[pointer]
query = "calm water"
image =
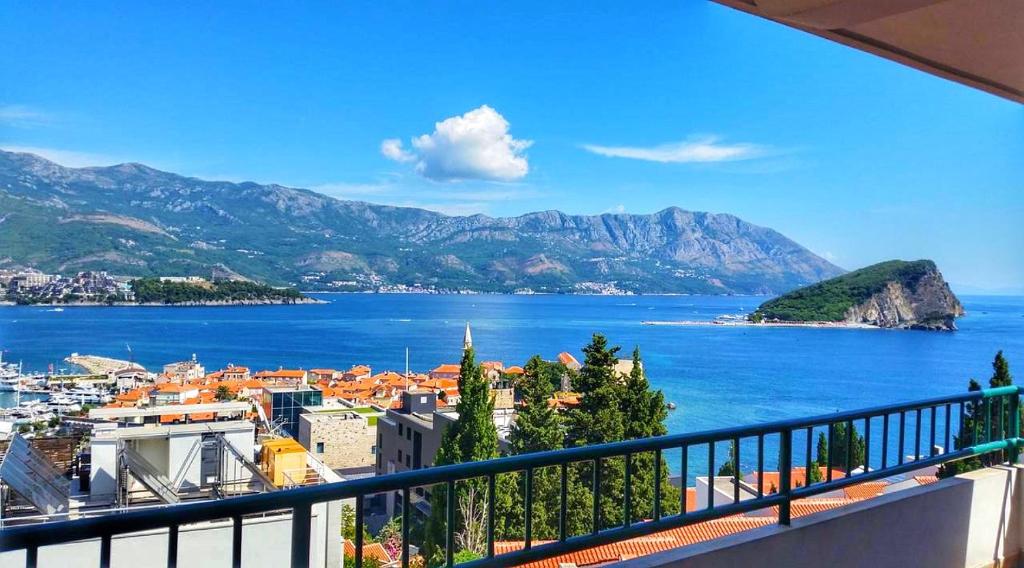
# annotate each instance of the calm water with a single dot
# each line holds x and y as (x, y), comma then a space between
(717, 376)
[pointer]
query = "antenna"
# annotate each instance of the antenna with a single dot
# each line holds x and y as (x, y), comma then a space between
(407, 369)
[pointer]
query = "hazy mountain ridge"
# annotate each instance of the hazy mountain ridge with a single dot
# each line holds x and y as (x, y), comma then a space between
(133, 219)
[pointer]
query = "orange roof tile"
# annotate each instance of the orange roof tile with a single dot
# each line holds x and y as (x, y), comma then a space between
(172, 387)
(515, 370)
(447, 368)
(566, 358)
(865, 490)
(798, 475)
(374, 550)
(925, 479)
(802, 507)
(645, 545)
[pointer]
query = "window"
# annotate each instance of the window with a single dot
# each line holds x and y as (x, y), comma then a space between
(408, 434)
(399, 428)
(319, 447)
(408, 460)
(373, 450)
(399, 456)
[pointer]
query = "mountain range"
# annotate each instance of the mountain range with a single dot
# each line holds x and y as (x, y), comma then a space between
(131, 219)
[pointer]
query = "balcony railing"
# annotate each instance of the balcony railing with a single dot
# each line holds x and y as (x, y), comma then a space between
(996, 428)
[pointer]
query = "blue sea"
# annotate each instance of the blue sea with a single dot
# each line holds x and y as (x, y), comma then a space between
(717, 376)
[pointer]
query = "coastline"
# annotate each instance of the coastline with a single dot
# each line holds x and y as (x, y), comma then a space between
(96, 364)
(810, 324)
(214, 304)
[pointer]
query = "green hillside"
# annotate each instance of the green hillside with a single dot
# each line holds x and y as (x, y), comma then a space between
(829, 300)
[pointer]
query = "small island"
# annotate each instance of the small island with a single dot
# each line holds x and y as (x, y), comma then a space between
(156, 291)
(893, 294)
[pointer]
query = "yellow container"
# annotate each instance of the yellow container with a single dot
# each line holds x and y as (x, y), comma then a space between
(284, 461)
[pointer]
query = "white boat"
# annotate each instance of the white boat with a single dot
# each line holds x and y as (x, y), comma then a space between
(63, 405)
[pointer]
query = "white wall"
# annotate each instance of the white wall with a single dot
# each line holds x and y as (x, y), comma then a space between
(266, 543)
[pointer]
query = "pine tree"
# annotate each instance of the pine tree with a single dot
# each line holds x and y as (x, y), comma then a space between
(473, 437)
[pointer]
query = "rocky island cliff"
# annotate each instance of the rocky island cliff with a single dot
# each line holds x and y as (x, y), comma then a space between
(892, 294)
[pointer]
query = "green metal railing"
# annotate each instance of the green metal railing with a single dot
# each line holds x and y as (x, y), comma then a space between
(995, 428)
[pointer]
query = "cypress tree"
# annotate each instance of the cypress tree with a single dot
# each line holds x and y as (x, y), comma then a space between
(644, 413)
(473, 437)
(839, 444)
(1001, 376)
(974, 419)
(599, 419)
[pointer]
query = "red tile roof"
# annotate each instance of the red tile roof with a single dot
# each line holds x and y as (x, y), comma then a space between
(925, 479)
(447, 368)
(373, 550)
(567, 359)
(642, 546)
(865, 490)
(802, 507)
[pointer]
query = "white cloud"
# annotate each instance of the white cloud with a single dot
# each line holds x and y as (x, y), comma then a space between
(618, 209)
(707, 149)
(476, 145)
(68, 158)
(23, 116)
(392, 150)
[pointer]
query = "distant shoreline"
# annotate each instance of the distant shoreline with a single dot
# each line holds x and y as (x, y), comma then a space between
(810, 324)
(209, 304)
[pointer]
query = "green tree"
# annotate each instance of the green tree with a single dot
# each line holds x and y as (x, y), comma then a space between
(644, 413)
(727, 469)
(819, 462)
(974, 420)
(223, 393)
(538, 427)
(822, 460)
(599, 419)
(839, 443)
(473, 437)
(348, 525)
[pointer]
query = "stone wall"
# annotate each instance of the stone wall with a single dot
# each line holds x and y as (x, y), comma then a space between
(347, 437)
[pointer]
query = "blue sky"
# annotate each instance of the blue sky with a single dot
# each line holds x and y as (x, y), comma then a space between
(585, 107)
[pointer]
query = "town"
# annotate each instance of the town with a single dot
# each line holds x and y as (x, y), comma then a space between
(123, 437)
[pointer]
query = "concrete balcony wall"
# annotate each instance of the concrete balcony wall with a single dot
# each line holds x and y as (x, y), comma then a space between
(974, 520)
(266, 543)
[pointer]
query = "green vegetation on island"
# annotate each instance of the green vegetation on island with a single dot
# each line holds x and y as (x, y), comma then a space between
(830, 300)
(156, 291)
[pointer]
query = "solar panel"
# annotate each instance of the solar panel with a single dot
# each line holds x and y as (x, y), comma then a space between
(31, 475)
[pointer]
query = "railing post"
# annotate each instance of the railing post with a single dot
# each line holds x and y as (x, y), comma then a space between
(785, 472)
(360, 513)
(301, 518)
(1014, 426)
